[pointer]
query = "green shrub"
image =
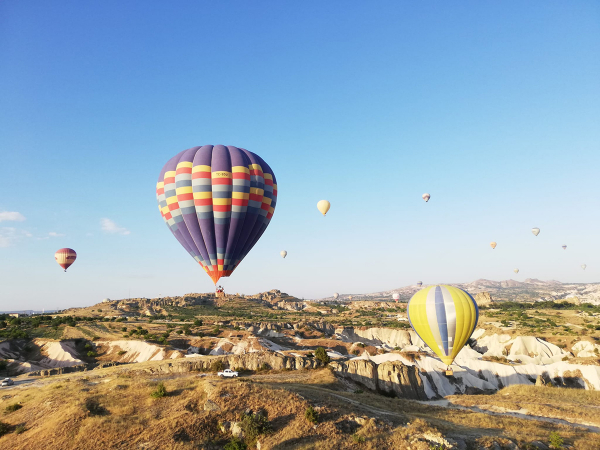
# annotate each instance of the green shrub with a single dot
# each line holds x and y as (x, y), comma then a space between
(121, 353)
(235, 444)
(197, 323)
(217, 366)
(92, 354)
(321, 355)
(311, 415)
(555, 440)
(160, 391)
(4, 428)
(254, 425)
(88, 346)
(12, 408)
(358, 438)
(20, 429)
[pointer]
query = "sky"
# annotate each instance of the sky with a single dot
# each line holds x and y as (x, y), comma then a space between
(491, 107)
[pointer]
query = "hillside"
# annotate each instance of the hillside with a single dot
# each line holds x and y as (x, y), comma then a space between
(529, 290)
(115, 408)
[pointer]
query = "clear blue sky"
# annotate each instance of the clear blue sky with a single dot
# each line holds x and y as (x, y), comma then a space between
(491, 107)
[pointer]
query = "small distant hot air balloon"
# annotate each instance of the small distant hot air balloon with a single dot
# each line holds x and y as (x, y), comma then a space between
(535, 231)
(419, 283)
(516, 271)
(564, 247)
(283, 253)
(65, 257)
(493, 245)
(396, 297)
(323, 206)
(444, 317)
(350, 298)
(336, 295)
(583, 266)
(426, 197)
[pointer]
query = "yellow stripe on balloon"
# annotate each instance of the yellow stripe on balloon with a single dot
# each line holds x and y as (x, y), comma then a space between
(418, 317)
(184, 190)
(201, 168)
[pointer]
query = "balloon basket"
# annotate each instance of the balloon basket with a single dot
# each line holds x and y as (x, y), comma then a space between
(449, 372)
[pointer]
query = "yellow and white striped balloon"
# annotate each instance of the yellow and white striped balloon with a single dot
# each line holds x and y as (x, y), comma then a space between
(444, 317)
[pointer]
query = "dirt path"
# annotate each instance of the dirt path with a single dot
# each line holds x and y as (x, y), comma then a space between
(309, 390)
(513, 413)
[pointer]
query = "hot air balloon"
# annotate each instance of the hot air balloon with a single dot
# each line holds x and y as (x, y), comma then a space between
(426, 197)
(535, 231)
(396, 297)
(419, 283)
(283, 253)
(350, 298)
(583, 266)
(336, 295)
(493, 245)
(323, 206)
(564, 247)
(444, 317)
(516, 271)
(217, 201)
(65, 257)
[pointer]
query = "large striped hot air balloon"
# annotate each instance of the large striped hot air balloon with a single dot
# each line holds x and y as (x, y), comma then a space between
(65, 257)
(217, 201)
(444, 317)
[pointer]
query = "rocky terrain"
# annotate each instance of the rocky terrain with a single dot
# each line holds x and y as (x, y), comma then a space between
(529, 290)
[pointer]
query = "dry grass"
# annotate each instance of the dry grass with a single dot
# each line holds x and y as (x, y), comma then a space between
(575, 405)
(56, 415)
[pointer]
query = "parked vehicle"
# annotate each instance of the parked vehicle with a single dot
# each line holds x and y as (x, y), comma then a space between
(228, 373)
(9, 382)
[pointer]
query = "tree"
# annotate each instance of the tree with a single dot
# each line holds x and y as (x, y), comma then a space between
(321, 355)
(197, 323)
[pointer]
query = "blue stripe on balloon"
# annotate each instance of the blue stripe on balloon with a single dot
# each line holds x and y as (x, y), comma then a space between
(440, 311)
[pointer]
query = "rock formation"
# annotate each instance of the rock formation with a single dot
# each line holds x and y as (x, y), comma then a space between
(483, 299)
(390, 377)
